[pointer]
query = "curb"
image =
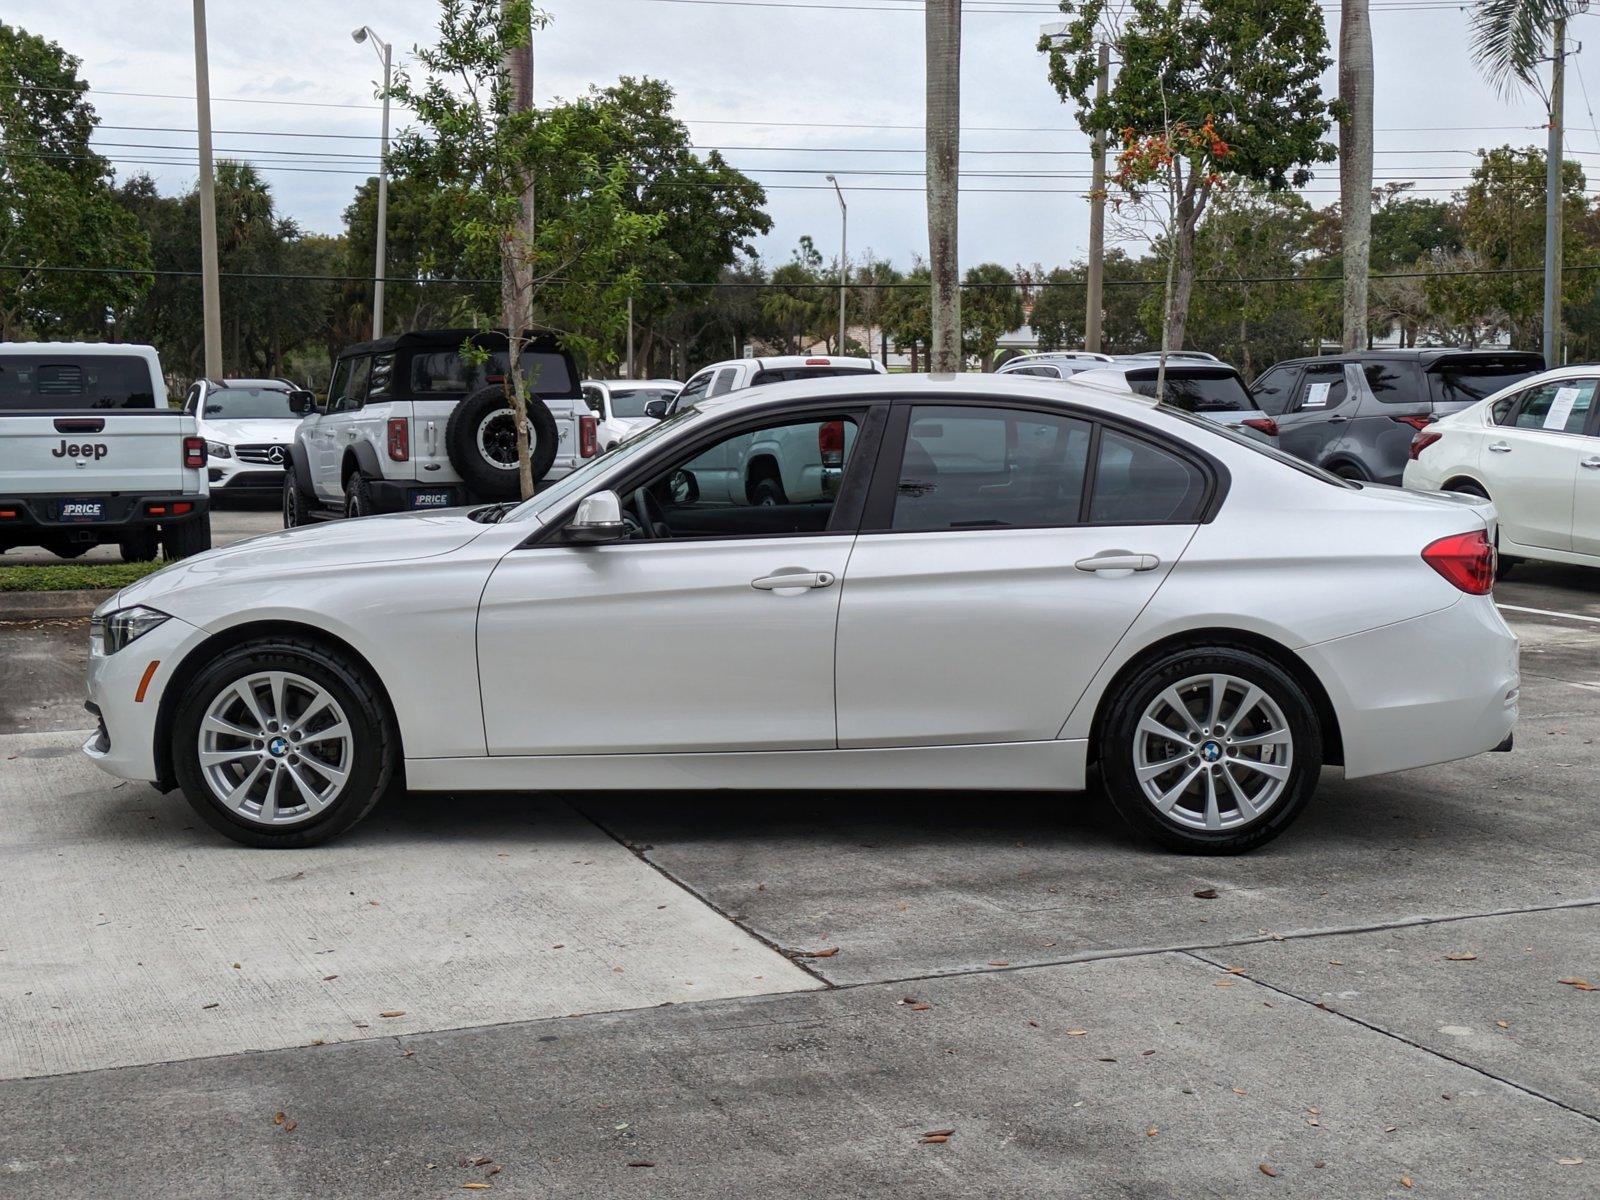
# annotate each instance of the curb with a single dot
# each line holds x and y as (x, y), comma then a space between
(48, 606)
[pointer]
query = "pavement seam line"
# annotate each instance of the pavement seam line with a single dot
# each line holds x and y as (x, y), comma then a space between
(703, 899)
(1525, 1089)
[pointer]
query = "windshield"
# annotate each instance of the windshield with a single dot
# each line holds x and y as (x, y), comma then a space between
(631, 402)
(61, 381)
(1196, 393)
(249, 404)
(583, 478)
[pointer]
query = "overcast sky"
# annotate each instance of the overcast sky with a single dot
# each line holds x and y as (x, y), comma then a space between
(850, 80)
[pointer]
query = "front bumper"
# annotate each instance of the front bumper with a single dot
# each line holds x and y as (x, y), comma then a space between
(232, 475)
(1429, 690)
(35, 520)
(124, 744)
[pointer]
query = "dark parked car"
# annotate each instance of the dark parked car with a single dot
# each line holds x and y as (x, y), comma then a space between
(1355, 414)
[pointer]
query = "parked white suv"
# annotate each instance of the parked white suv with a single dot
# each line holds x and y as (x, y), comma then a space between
(91, 454)
(248, 425)
(410, 423)
(619, 405)
(720, 378)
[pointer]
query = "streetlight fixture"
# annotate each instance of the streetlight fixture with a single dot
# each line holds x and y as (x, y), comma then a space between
(844, 262)
(384, 51)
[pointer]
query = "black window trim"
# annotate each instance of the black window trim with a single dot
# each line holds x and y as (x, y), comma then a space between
(844, 520)
(1591, 424)
(879, 513)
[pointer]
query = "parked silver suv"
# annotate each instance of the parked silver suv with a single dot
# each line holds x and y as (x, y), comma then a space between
(1355, 414)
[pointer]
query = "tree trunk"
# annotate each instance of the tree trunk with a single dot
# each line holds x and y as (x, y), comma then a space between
(1182, 282)
(1355, 165)
(516, 269)
(943, 125)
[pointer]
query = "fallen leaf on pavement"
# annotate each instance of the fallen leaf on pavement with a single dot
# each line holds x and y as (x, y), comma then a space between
(828, 953)
(393, 1012)
(1076, 1032)
(329, 978)
(1235, 970)
(482, 1160)
(1334, 962)
(1152, 1131)
(290, 1125)
(1503, 1024)
(641, 1164)
(1463, 956)
(939, 1133)
(1224, 982)
(494, 1170)
(476, 1187)
(277, 1118)
(1405, 1181)
(1583, 985)
(1240, 1092)
(919, 1007)
(1206, 894)
(1266, 1170)
(1390, 1128)
(1569, 1162)
(999, 962)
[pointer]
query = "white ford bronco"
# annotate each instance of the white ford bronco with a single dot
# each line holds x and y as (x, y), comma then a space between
(91, 455)
(410, 423)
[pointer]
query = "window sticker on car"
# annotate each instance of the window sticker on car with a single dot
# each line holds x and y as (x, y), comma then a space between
(1561, 408)
(1317, 395)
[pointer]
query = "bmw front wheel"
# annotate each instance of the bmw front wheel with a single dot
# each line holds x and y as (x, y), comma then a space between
(1211, 750)
(283, 743)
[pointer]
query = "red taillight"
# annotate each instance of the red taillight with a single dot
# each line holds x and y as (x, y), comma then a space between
(8, 514)
(1265, 424)
(830, 443)
(194, 452)
(182, 508)
(1421, 441)
(399, 439)
(818, 362)
(1467, 560)
(156, 510)
(588, 437)
(1421, 421)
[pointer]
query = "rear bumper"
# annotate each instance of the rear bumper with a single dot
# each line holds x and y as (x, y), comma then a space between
(391, 495)
(1428, 690)
(39, 520)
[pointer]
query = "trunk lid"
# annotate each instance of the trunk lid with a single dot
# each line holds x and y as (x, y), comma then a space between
(92, 454)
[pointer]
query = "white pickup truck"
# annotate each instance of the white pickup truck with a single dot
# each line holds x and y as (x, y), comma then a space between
(410, 423)
(90, 454)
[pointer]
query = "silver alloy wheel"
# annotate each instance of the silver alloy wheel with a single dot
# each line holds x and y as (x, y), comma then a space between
(1213, 752)
(275, 748)
(497, 439)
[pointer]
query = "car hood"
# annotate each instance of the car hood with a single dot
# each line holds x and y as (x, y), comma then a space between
(264, 430)
(311, 549)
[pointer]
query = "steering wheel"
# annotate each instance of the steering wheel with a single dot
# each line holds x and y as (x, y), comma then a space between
(647, 519)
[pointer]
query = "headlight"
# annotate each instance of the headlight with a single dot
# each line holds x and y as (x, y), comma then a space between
(112, 632)
(219, 450)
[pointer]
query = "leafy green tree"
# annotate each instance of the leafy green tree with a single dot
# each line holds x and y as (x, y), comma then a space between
(1057, 315)
(1205, 90)
(57, 203)
(799, 305)
(991, 307)
(908, 314)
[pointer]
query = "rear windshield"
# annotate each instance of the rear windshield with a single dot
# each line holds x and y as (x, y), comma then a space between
(53, 383)
(1196, 393)
(445, 372)
(785, 374)
(1475, 379)
(249, 404)
(631, 402)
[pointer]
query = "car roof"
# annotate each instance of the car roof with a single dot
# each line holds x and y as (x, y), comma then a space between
(1424, 356)
(1054, 355)
(624, 384)
(936, 388)
(276, 385)
(778, 362)
(85, 348)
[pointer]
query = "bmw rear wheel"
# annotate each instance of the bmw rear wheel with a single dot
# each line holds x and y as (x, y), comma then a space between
(1211, 750)
(283, 743)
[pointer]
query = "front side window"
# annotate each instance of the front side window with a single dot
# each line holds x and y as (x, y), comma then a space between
(1561, 407)
(339, 384)
(1137, 483)
(352, 385)
(693, 391)
(990, 468)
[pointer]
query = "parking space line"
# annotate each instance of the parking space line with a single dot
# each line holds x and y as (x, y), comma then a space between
(1548, 612)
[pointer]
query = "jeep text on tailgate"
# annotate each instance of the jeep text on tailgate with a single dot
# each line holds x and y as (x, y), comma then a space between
(90, 454)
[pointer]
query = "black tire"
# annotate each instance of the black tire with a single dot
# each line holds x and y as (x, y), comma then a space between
(357, 496)
(140, 546)
(765, 492)
(375, 758)
(71, 549)
(187, 538)
(1348, 470)
(1119, 730)
(294, 503)
(495, 478)
(1503, 562)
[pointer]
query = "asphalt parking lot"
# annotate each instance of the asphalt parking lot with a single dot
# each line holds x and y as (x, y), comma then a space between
(669, 995)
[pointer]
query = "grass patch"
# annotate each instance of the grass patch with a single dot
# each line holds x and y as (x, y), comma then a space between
(73, 577)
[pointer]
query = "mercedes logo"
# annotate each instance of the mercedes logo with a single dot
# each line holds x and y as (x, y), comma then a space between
(275, 455)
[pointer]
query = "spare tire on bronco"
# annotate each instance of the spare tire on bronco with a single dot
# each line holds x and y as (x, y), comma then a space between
(481, 440)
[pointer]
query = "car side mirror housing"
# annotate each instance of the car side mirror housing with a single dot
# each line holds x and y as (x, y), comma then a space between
(598, 519)
(657, 409)
(302, 402)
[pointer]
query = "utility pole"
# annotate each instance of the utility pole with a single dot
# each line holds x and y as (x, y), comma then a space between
(844, 259)
(630, 338)
(211, 301)
(1355, 166)
(1094, 307)
(942, 122)
(1552, 200)
(385, 52)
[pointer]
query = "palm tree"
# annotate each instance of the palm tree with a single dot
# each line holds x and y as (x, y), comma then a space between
(1513, 38)
(1355, 165)
(943, 129)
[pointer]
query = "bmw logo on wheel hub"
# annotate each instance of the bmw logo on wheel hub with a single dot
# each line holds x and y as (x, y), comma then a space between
(278, 747)
(1209, 751)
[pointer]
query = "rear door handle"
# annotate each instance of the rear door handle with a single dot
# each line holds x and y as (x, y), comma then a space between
(1337, 420)
(1118, 560)
(1592, 463)
(792, 577)
(1500, 447)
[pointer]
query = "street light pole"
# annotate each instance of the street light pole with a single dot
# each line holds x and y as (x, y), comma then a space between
(844, 261)
(211, 302)
(385, 51)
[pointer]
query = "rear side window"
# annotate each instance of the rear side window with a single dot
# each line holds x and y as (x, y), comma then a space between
(724, 383)
(1193, 392)
(382, 373)
(1556, 407)
(1396, 382)
(990, 468)
(1321, 387)
(1477, 378)
(785, 374)
(1136, 483)
(51, 382)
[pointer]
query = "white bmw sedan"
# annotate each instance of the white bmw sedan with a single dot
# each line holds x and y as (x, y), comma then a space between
(1006, 583)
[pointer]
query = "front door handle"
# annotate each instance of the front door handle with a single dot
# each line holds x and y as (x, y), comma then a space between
(1592, 463)
(1500, 447)
(1119, 560)
(792, 577)
(1337, 419)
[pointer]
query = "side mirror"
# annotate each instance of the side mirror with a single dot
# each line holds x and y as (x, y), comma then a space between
(683, 487)
(598, 519)
(657, 409)
(302, 402)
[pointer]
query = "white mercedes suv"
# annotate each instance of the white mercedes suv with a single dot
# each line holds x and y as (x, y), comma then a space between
(1013, 581)
(248, 425)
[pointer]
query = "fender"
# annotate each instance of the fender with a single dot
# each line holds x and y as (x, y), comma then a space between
(301, 469)
(366, 461)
